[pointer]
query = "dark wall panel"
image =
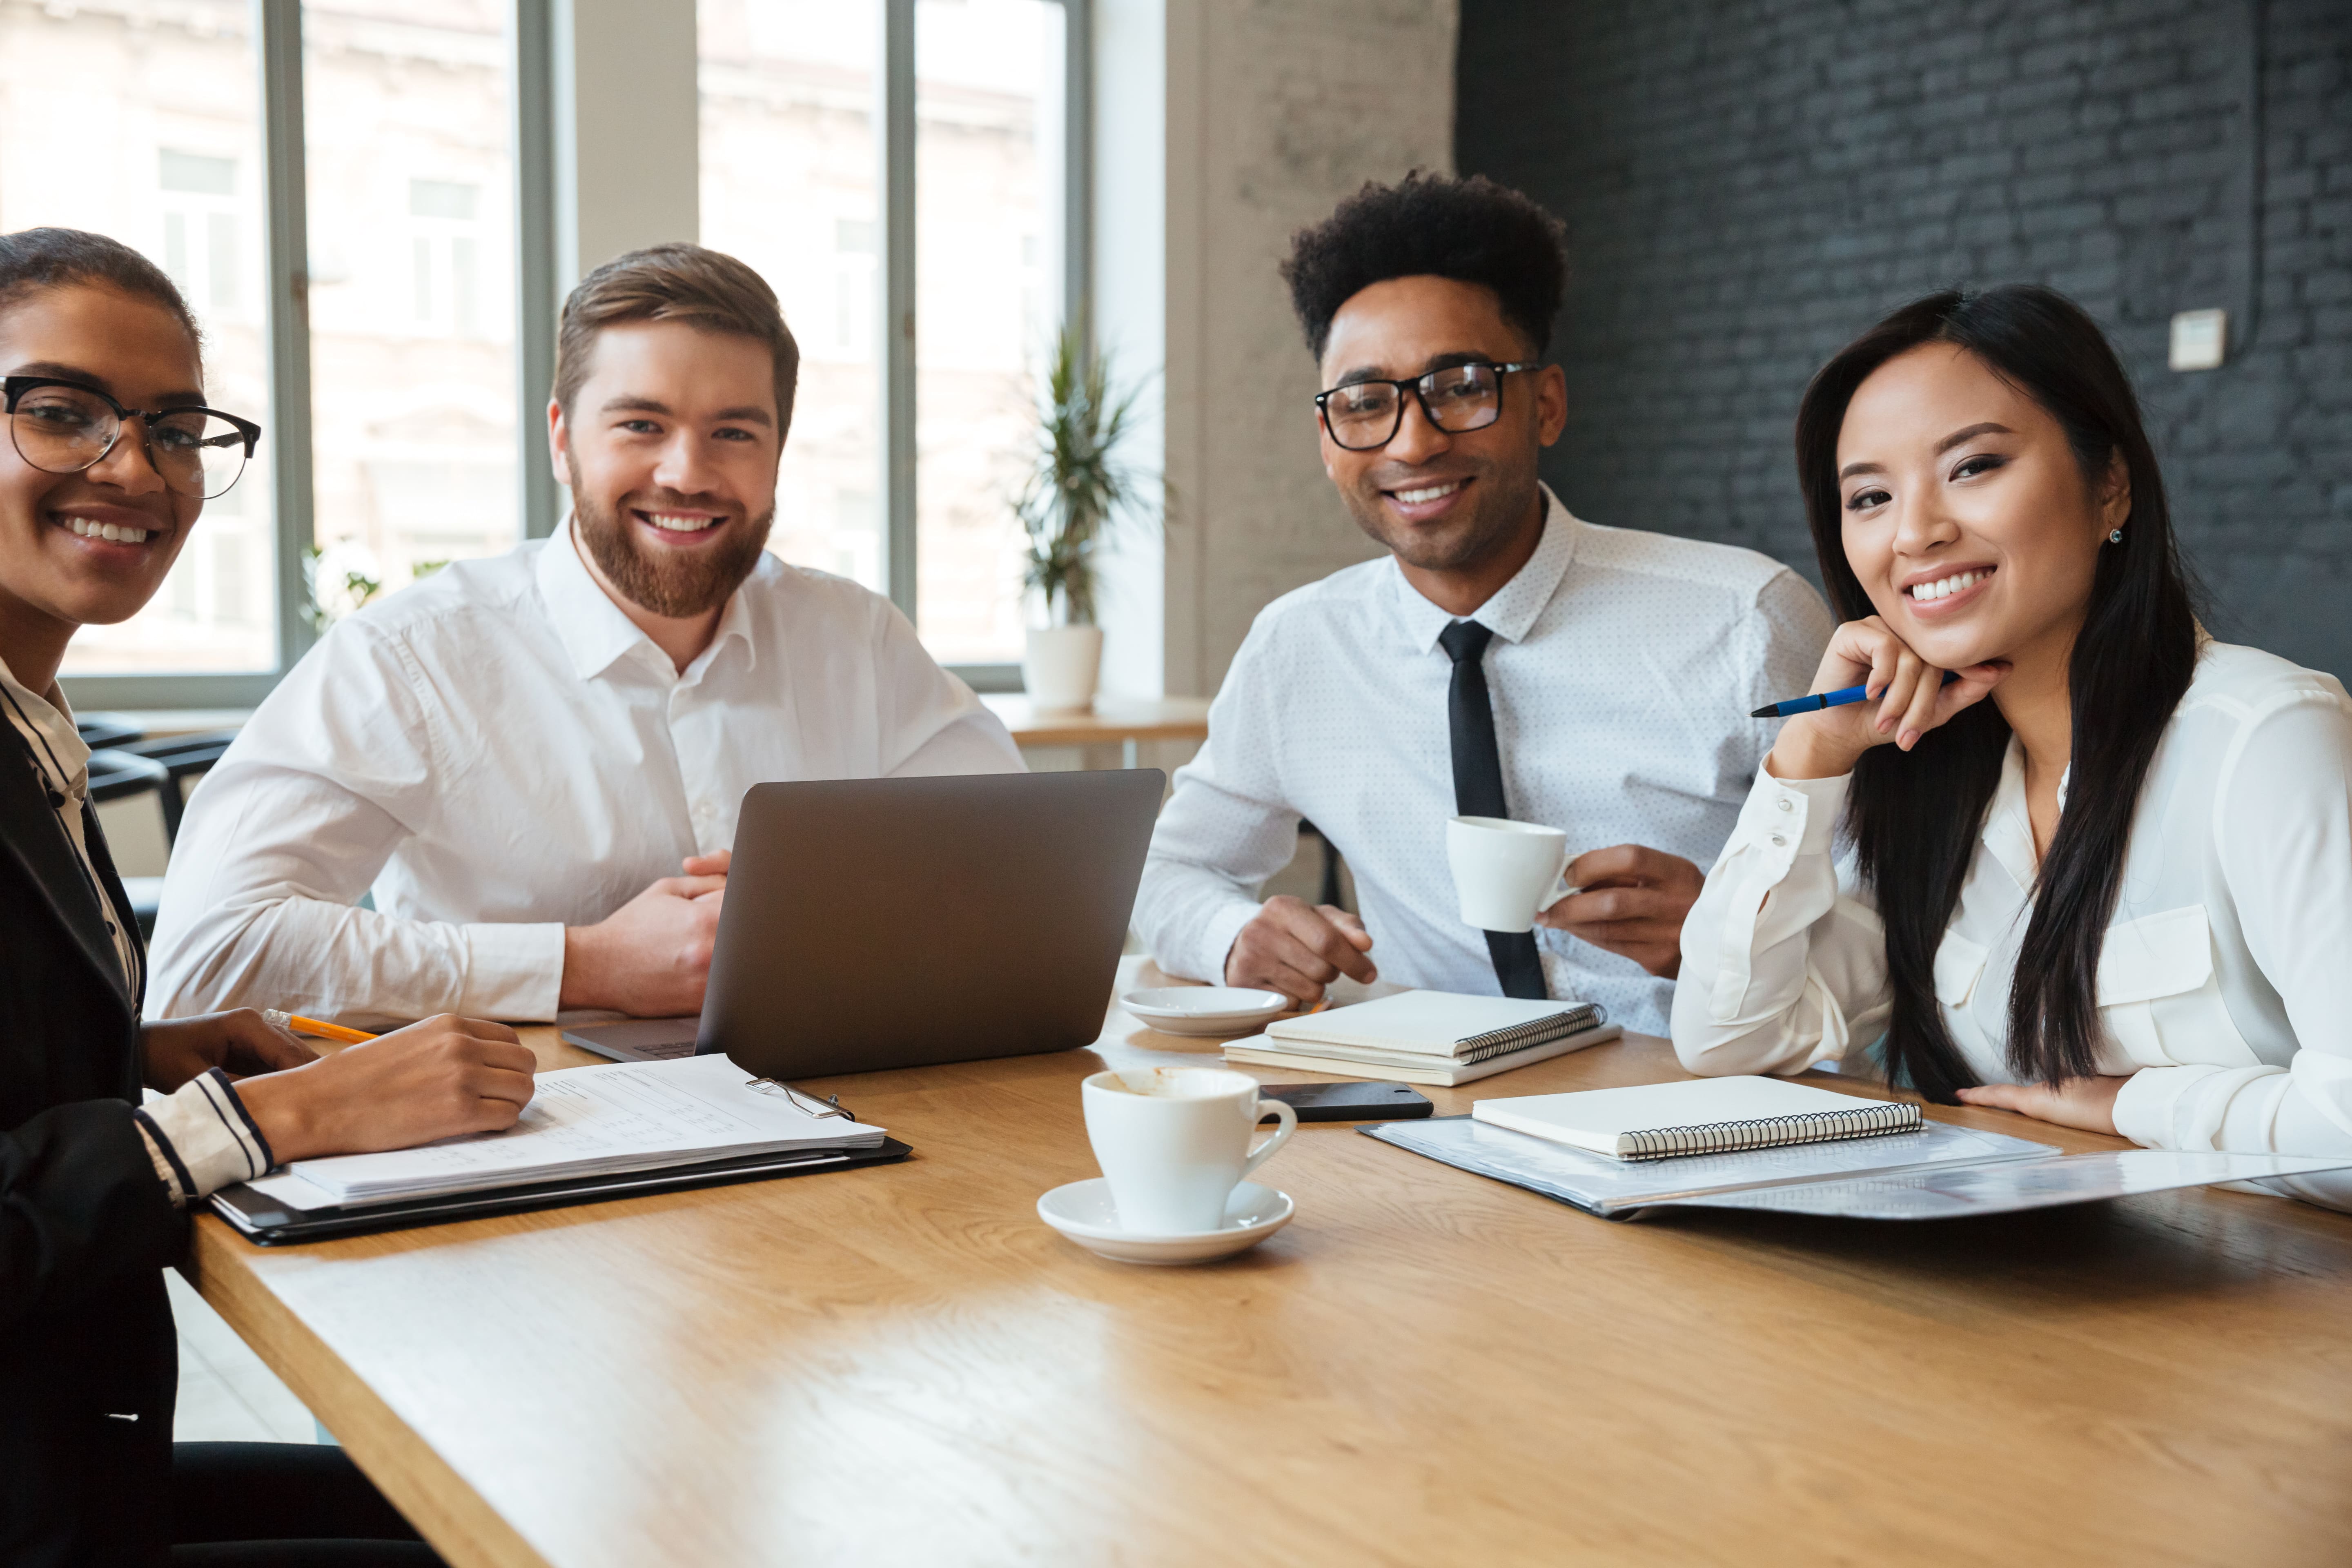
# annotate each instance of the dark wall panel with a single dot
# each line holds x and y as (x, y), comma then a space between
(1749, 183)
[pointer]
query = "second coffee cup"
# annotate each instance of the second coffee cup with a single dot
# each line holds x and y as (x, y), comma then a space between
(1505, 872)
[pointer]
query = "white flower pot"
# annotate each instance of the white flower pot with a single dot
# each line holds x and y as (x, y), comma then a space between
(1061, 667)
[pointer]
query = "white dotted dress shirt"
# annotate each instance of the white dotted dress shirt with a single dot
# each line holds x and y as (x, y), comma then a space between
(1623, 670)
(2224, 986)
(500, 753)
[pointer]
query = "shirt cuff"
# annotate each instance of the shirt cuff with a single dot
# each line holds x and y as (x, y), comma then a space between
(202, 1139)
(1203, 957)
(1797, 816)
(512, 971)
(2182, 1106)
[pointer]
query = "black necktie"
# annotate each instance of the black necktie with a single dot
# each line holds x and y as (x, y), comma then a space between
(1479, 786)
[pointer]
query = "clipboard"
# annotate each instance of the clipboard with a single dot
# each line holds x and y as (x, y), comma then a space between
(265, 1222)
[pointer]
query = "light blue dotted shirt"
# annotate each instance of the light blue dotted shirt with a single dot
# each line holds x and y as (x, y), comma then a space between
(1623, 670)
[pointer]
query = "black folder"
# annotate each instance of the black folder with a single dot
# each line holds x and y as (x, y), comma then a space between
(268, 1223)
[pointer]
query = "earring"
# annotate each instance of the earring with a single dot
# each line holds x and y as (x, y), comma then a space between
(2114, 536)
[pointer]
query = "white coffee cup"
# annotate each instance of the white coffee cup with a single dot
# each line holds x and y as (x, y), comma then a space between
(1174, 1141)
(1504, 871)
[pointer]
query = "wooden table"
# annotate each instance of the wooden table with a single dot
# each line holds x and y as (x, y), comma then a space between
(1127, 720)
(902, 1365)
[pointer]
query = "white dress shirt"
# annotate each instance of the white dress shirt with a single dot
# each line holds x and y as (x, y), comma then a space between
(200, 1138)
(2225, 980)
(1622, 674)
(500, 753)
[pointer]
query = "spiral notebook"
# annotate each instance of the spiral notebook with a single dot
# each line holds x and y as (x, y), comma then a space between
(1427, 1036)
(1702, 1115)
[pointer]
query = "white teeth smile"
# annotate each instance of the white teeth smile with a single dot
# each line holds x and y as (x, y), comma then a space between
(678, 522)
(1945, 587)
(1415, 498)
(108, 530)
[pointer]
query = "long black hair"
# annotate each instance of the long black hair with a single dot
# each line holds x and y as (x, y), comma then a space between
(1915, 818)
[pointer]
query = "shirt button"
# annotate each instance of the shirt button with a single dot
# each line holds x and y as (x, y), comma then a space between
(1784, 803)
(1779, 841)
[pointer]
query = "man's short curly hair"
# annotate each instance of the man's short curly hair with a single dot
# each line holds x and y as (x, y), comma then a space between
(1471, 230)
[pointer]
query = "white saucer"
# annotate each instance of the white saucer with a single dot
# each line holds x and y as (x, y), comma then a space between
(1226, 1010)
(1084, 1212)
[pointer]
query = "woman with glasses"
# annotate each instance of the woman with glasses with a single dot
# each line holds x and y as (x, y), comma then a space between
(109, 456)
(2102, 873)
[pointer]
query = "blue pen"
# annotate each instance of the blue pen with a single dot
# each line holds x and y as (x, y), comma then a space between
(1821, 700)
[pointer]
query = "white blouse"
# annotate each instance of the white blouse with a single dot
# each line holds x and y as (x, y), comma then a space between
(2225, 980)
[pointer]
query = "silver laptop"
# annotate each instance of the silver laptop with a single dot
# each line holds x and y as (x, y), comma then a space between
(876, 924)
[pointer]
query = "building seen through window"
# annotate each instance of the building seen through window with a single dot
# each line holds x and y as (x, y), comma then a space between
(407, 141)
(411, 280)
(145, 125)
(789, 183)
(411, 275)
(788, 156)
(987, 212)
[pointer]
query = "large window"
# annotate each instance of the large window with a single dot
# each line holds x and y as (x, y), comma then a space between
(393, 428)
(145, 124)
(788, 161)
(411, 287)
(988, 222)
(793, 176)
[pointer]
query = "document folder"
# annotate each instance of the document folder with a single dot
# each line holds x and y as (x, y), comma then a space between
(268, 1222)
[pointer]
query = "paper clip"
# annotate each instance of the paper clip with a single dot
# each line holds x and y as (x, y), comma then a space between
(807, 1102)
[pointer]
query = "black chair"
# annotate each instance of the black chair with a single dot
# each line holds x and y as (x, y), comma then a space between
(182, 757)
(99, 731)
(120, 775)
(1331, 864)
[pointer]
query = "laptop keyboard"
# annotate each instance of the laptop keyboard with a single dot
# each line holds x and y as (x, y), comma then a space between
(665, 1052)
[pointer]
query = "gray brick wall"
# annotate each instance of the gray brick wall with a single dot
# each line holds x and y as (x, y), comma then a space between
(1749, 183)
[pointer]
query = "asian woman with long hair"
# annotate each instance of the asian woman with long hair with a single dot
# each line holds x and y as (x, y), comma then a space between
(2103, 876)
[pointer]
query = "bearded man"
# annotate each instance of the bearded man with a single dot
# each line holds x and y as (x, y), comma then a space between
(534, 761)
(1501, 657)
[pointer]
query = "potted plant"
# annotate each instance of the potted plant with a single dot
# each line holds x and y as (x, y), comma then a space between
(1077, 489)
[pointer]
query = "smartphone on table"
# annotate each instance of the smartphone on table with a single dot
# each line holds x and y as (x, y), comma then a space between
(1350, 1102)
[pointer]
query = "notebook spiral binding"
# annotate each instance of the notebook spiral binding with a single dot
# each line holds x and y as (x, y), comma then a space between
(1771, 1131)
(1535, 1032)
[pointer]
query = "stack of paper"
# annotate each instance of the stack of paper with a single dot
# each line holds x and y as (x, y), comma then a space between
(1427, 1036)
(585, 1121)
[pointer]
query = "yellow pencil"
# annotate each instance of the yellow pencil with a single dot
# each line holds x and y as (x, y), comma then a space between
(301, 1025)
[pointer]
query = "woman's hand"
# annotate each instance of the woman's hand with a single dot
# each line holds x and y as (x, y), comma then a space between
(443, 1076)
(173, 1050)
(2087, 1103)
(1907, 698)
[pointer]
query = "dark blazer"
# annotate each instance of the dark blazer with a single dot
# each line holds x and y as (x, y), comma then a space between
(88, 1366)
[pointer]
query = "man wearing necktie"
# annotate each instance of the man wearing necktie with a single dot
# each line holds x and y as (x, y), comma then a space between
(1502, 658)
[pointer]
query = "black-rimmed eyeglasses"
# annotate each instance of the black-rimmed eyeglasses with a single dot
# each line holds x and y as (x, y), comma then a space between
(64, 427)
(1364, 415)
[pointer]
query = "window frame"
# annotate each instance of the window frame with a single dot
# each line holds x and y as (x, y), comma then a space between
(285, 439)
(287, 444)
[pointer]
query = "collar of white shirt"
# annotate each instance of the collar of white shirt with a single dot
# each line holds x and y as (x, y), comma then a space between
(1511, 613)
(47, 725)
(596, 634)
